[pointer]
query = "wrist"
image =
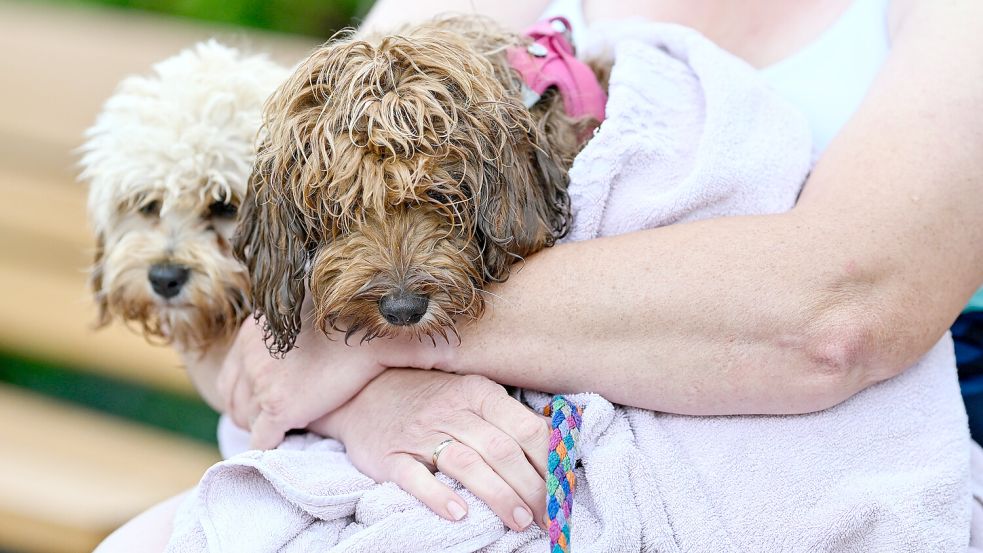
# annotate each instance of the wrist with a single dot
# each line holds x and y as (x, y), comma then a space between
(406, 352)
(443, 356)
(331, 425)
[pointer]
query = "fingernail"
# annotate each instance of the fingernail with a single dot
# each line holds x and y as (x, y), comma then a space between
(456, 511)
(522, 517)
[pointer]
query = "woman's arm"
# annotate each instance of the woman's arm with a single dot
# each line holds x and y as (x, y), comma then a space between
(785, 313)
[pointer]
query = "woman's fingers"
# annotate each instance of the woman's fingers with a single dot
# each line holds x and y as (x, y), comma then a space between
(266, 427)
(504, 455)
(529, 430)
(440, 406)
(461, 462)
(266, 431)
(409, 474)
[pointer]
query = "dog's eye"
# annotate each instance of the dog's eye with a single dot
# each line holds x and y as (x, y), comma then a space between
(438, 197)
(222, 210)
(150, 208)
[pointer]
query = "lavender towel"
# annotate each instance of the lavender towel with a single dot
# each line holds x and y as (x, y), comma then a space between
(692, 133)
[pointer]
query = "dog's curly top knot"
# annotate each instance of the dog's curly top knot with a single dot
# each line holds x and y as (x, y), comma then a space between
(400, 174)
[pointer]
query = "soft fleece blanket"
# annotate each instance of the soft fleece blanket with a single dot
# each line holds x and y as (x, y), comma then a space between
(691, 133)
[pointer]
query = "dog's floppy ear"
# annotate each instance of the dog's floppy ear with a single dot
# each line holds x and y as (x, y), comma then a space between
(523, 205)
(271, 240)
(95, 282)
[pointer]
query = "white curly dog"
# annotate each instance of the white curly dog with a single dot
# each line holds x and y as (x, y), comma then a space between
(167, 162)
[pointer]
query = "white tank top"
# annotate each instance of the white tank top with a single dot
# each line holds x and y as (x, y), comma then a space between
(827, 79)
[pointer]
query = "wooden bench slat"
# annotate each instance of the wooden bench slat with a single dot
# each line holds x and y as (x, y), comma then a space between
(84, 473)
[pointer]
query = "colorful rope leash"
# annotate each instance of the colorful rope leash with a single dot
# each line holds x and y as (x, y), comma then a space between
(560, 477)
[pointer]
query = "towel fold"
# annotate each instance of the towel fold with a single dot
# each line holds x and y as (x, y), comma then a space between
(692, 133)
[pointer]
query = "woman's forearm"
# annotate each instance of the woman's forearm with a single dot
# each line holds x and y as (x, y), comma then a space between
(782, 313)
(726, 316)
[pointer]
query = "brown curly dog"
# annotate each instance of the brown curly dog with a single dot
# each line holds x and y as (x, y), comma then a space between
(397, 176)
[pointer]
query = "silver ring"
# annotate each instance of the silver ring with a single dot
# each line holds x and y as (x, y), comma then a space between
(440, 449)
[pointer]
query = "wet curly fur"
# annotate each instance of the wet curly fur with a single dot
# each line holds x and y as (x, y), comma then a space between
(402, 164)
(167, 163)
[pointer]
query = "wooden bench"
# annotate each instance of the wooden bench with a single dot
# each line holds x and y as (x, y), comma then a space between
(70, 475)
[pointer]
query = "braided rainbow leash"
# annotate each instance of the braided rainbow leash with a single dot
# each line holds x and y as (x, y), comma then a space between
(560, 477)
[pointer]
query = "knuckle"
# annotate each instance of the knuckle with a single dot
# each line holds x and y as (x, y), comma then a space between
(531, 429)
(463, 457)
(503, 449)
(275, 409)
(504, 497)
(479, 386)
(483, 395)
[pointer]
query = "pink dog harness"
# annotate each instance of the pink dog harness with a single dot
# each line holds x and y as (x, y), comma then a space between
(550, 62)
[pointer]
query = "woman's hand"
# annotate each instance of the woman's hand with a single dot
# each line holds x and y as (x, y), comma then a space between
(392, 427)
(271, 395)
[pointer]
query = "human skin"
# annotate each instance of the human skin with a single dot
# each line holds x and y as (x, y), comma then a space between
(787, 313)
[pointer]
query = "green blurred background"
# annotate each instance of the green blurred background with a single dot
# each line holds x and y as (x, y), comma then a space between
(96, 426)
(308, 17)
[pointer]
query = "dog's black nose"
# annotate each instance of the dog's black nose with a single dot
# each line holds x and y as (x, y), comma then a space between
(403, 308)
(167, 279)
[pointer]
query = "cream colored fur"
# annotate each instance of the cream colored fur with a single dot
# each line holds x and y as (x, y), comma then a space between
(165, 150)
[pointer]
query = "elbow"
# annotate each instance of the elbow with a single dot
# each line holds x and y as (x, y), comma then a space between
(842, 354)
(838, 353)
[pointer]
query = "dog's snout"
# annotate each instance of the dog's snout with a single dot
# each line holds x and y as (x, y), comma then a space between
(403, 308)
(167, 280)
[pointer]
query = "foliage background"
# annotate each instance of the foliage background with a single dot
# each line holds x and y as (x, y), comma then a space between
(309, 17)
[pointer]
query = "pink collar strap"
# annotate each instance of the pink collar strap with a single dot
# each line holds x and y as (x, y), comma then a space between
(549, 61)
